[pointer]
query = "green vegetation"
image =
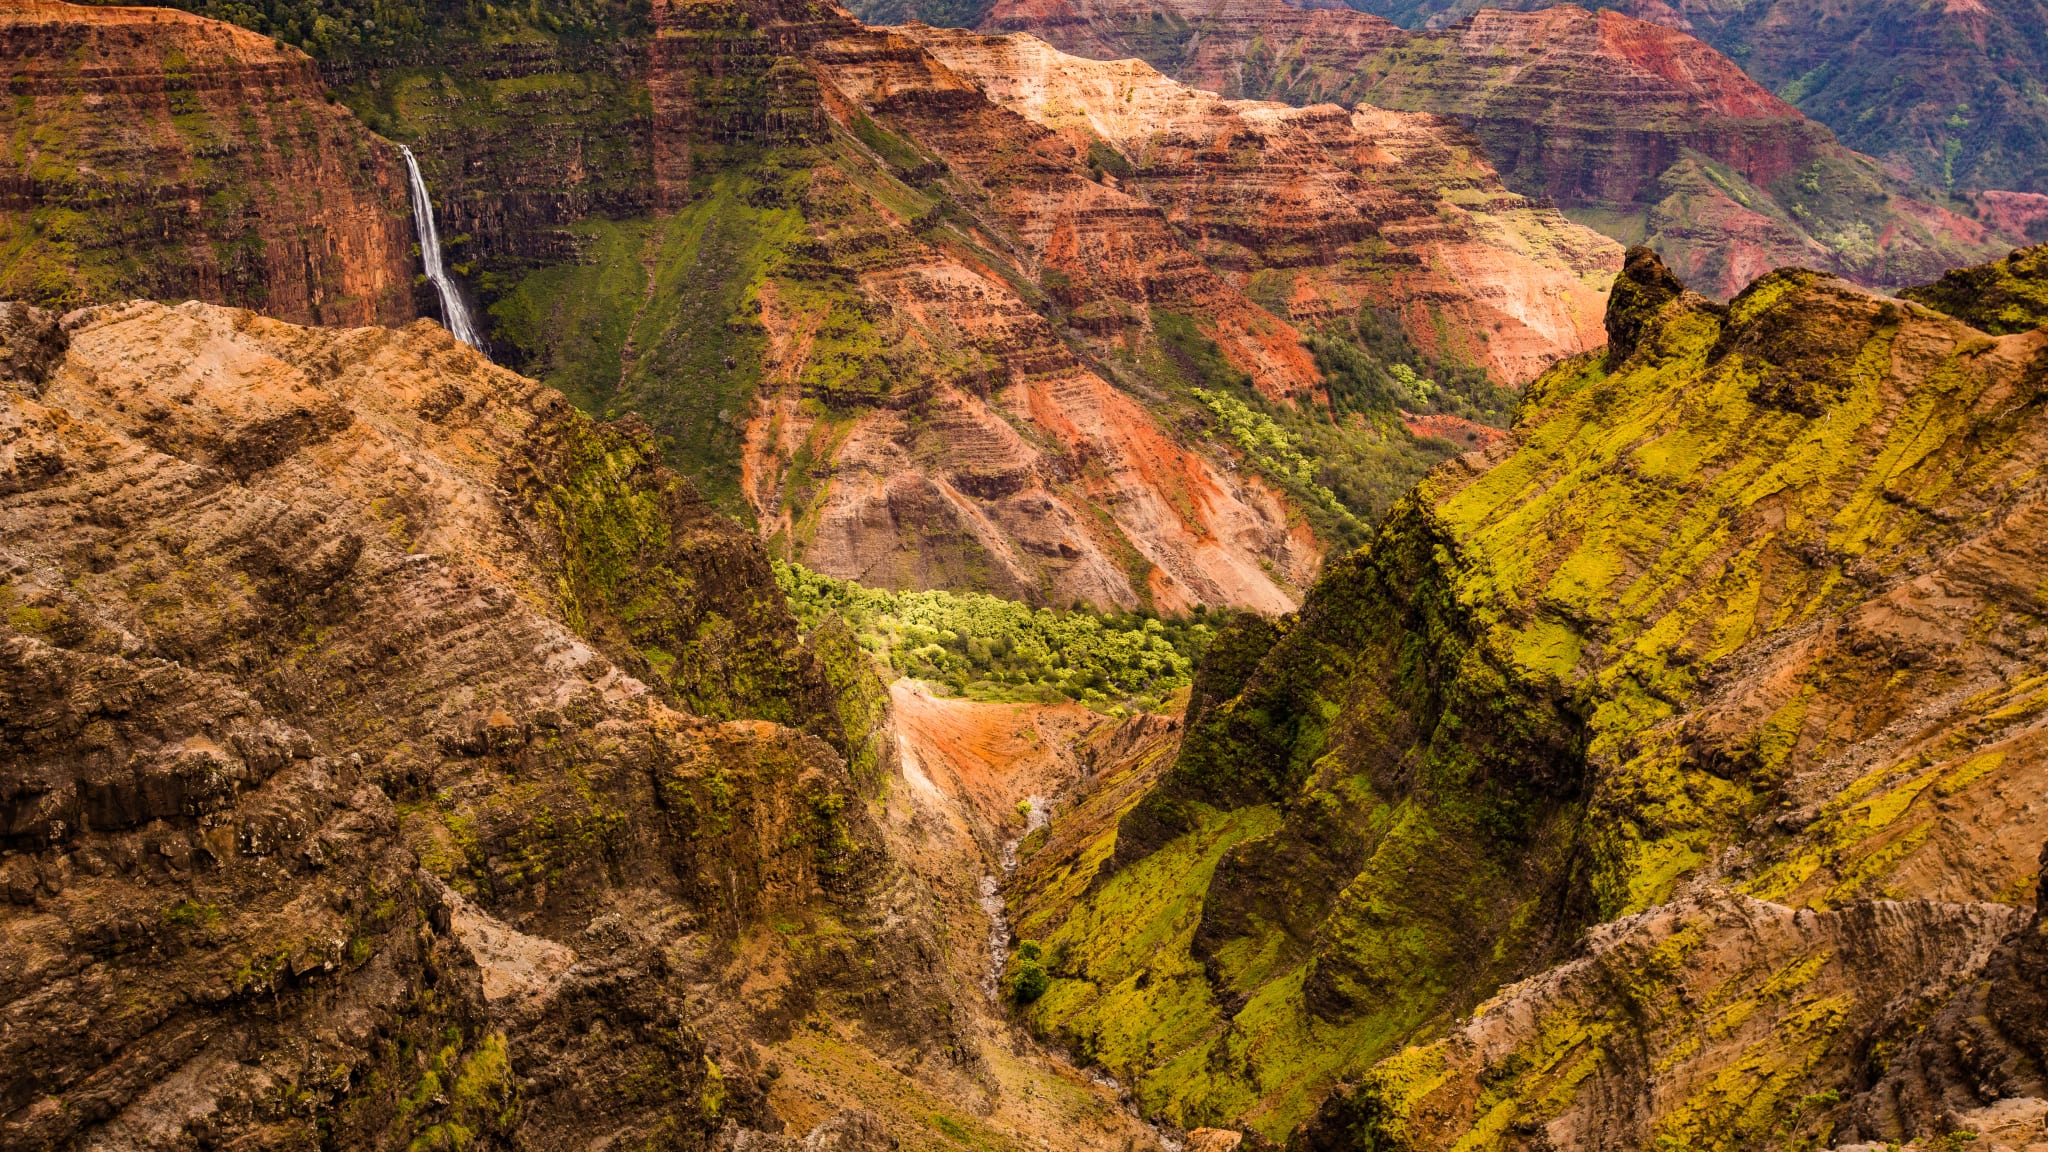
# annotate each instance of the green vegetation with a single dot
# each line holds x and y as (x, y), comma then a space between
(192, 914)
(661, 321)
(368, 31)
(988, 648)
(2008, 296)
(1346, 465)
(1027, 978)
(1269, 448)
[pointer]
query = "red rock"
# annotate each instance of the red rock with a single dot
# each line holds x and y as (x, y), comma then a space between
(161, 154)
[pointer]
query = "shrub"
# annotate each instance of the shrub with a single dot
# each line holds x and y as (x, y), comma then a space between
(990, 648)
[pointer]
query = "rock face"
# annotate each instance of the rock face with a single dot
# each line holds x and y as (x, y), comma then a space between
(1318, 210)
(2010, 295)
(393, 756)
(1696, 639)
(159, 154)
(920, 338)
(952, 355)
(1667, 1028)
(1632, 126)
(1937, 93)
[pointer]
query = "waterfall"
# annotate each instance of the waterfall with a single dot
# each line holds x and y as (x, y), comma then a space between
(454, 312)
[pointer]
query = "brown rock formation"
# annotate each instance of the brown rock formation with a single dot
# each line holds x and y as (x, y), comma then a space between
(159, 154)
(1664, 1029)
(1321, 211)
(1981, 1065)
(351, 793)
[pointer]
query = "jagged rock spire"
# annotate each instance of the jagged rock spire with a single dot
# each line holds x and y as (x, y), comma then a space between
(1644, 286)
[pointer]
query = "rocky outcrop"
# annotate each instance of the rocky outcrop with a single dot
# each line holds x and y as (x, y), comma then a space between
(1644, 129)
(1321, 211)
(1705, 620)
(2010, 295)
(395, 755)
(1981, 1065)
(159, 154)
(1715, 1021)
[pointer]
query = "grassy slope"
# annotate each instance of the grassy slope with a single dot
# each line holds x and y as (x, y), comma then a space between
(665, 301)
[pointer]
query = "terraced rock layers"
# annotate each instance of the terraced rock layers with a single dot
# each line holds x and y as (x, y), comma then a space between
(1633, 127)
(1321, 211)
(155, 153)
(392, 756)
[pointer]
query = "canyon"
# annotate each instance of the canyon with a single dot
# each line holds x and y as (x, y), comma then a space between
(1939, 95)
(397, 756)
(804, 251)
(351, 795)
(1632, 127)
(1453, 682)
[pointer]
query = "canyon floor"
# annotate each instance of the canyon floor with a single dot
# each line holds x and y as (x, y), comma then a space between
(973, 778)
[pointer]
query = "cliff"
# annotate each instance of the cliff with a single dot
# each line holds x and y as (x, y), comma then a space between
(396, 758)
(933, 342)
(1633, 127)
(1694, 647)
(917, 337)
(158, 154)
(1320, 212)
(1936, 94)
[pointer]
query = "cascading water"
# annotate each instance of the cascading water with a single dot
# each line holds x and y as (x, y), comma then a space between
(454, 312)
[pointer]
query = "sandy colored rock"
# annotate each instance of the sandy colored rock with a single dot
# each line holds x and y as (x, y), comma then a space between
(334, 773)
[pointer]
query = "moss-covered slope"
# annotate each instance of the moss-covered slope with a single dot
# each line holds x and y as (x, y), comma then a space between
(1753, 600)
(2001, 298)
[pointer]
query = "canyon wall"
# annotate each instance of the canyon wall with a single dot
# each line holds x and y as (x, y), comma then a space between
(1632, 127)
(1690, 656)
(1938, 95)
(1320, 212)
(918, 338)
(159, 154)
(395, 757)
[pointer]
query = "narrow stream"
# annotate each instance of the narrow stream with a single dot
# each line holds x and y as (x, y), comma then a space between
(454, 310)
(1037, 815)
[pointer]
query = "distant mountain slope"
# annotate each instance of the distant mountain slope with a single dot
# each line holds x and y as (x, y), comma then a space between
(918, 338)
(1317, 211)
(1632, 127)
(1948, 93)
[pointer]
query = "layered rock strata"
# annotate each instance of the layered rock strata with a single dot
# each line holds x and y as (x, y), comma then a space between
(1634, 127)
(1936, 94)
(394, 756)
(154, 153)
(1321, 211)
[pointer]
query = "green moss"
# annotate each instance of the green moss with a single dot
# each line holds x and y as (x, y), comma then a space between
(2009, 295)
(1123, 985)
(192, 914)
